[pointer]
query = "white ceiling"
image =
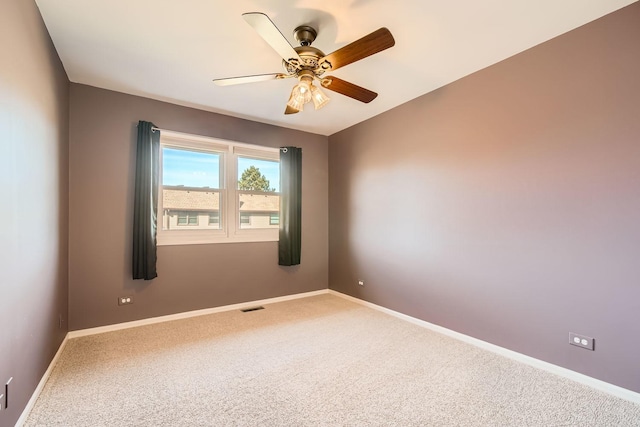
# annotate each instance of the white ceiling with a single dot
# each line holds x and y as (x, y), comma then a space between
(171, 50)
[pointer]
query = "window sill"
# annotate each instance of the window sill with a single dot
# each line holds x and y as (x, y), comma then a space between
(175, 240)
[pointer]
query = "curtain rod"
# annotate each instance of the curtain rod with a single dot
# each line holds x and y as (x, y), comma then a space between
(154, 128)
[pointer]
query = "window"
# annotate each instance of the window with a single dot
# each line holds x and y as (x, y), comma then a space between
(274, 219)
(187, 218)
(215, 191)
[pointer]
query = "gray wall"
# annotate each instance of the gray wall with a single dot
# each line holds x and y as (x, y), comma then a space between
(101, 168)
(34, 194)
(506, 205)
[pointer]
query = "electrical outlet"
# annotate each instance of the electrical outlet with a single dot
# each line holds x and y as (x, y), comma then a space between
(361, 282)
(125, 300)
(582, 341)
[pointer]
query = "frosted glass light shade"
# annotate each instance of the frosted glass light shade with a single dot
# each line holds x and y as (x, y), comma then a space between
(296, 101)
(301, 94)
(318, 97)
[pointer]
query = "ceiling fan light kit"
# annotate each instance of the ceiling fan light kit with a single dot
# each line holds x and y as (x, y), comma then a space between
(305, 92)
(308, 63)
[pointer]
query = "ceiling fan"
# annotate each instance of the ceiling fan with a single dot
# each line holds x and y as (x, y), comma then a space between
(307, 63)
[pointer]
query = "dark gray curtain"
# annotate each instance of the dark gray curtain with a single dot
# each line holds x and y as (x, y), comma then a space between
(290, 206)
(145, 205)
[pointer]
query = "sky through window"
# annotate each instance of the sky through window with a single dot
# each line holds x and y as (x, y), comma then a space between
(201, 169)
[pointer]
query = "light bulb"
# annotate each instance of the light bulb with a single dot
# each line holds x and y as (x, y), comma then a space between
(304, 88)
(318, 97)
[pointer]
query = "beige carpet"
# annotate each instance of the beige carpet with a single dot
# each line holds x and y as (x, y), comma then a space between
(319, 361)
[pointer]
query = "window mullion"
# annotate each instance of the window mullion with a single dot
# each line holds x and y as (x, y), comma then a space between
(232, 193)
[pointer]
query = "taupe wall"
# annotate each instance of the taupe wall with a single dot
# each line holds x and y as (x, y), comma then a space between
(506, 205)
(33, 194)
(101, 167)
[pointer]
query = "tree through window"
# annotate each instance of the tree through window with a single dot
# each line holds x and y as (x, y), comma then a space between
(252, 179)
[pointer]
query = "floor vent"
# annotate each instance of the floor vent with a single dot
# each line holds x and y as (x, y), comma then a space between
(246, 310)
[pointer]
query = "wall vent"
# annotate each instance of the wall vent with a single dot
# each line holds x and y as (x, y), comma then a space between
(246, 310)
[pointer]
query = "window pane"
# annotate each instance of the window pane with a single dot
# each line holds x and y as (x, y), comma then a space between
(257, 176)
(190, 189)
(274, 219)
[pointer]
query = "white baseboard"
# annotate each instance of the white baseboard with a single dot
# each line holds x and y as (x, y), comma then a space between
(187, 314)
(126, 325)
(546, 366)
(519, 357)
(36, 393)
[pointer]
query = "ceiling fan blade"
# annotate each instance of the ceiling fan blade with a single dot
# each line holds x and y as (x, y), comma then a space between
(348, 89)
(270, 33)
(290, 110)
(368, 45)
(247, 79)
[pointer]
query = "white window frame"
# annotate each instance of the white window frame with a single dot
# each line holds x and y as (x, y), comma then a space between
(229, 212)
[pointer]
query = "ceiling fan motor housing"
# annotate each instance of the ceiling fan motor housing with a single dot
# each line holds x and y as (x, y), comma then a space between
(309, 55)
(305, 35)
